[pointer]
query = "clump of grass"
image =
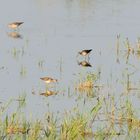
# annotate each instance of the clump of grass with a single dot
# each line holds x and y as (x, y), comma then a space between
(35, 130)
(15, 126)
(51, 127)
(43, 129)
(74, 128)
(86, 84)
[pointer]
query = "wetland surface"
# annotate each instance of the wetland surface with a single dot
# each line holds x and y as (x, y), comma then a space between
(47, 44)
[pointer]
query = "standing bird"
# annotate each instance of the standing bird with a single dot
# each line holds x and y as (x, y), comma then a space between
(15, 25)
(48, 80)
(85, 52)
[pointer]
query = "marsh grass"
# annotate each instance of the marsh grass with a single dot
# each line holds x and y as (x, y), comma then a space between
(23, 71)
(128, 47)
(41, 63)
(118, 121)
(74, 128)
(17, 52)
(86, 84)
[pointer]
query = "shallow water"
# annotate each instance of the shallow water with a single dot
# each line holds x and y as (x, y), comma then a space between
(52, 34)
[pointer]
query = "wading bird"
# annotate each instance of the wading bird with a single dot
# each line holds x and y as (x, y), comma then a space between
(49, 80)
(85, 52)
(15, 25)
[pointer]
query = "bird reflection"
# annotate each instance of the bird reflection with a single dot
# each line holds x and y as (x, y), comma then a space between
(48, 93)
(15, 35)
(84, 64)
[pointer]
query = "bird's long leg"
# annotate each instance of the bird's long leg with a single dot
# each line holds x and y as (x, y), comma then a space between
(47, 87)
(17, 29)
(85, 58)
(88, 58)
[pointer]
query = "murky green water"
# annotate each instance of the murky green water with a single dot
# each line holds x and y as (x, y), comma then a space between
(50, 38)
